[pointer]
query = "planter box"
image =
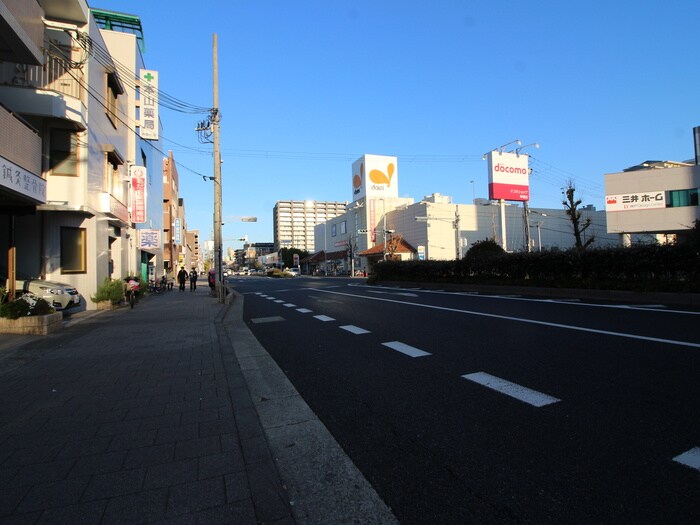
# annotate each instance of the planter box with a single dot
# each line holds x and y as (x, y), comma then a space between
(32, 324)
(106, 305)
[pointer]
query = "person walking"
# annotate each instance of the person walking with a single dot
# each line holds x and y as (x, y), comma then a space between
(182, 278)
(211, 278)
(193, 280)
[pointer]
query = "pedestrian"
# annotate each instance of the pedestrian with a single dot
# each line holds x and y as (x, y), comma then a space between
(211, 278)
(193, 280)
(182, 278)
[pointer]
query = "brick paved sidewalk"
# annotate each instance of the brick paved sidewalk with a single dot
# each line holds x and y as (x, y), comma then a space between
(128, 417)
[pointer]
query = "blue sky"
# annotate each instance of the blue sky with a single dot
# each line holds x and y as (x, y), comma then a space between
(307, 87)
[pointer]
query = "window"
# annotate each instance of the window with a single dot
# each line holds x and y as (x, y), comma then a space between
(63, 156)
(73, 250)
(112, 104)
(343, 228)
(333, 230)
(680, 198)
(114, 183)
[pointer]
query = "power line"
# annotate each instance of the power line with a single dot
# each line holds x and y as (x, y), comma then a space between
(100, 101)
(128, 76)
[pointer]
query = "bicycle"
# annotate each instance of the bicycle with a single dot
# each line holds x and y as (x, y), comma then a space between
(131, 290)
(131, 297)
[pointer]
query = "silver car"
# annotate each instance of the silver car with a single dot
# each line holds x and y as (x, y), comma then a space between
(59, 295)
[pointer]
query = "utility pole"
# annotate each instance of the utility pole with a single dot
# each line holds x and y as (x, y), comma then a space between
(526, 218)
(215, 117)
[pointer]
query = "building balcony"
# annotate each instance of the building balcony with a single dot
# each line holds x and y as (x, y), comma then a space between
(23, 31)
(113, 208)
(52, 90)
(20, 162)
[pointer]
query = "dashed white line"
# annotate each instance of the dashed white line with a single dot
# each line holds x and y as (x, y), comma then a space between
(355, 329)
(289, 305)
(519, 392)
(274, 319)
(304, 310)
(406, 349)
(279, 300)
(324, 318)
(691, 458)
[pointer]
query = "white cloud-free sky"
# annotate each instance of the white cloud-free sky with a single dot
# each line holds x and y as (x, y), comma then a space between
(307, 87)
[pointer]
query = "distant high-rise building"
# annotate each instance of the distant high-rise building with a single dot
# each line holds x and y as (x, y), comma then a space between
(294, 221)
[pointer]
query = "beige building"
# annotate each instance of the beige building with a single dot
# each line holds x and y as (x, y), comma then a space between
(172, 222)
(294, 221)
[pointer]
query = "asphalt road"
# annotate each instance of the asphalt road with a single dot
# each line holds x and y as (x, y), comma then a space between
(462, 407)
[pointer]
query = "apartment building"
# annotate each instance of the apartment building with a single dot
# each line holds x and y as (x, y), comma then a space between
(294, 221)
(172, 221)
(72, 93)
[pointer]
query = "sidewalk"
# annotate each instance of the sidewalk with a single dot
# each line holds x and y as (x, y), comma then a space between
(127, 416)
(168, 413)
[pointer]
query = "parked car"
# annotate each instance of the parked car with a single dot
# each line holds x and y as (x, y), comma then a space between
(294, 272)
(59, 295)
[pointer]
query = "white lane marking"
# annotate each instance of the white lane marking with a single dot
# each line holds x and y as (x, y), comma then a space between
(279, 300)
(519, 392)
(304, 310)
(691, 458)
(406, 294)
(653, 306)
(529, 321)
(324, 318)
(289, 305)
(576, 302)
(406, 349)
(270, 298)
(355, 329)
(274, 319)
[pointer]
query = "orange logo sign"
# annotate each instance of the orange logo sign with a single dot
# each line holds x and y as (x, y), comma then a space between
(379, 177)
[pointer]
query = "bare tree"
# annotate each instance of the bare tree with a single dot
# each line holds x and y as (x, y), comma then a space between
(571, 204)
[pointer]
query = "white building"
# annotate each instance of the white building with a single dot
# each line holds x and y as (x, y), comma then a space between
(82, 104)
(653, 202)
(435, 228)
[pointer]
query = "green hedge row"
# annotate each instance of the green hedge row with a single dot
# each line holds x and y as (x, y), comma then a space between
(644, 268)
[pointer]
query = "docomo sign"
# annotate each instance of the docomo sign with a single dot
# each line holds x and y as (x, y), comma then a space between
(509, 176)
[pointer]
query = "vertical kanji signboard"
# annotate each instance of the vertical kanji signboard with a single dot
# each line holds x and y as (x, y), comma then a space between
(149, 104)
(138, 194)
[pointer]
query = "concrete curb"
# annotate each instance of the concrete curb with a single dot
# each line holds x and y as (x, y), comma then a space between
(323, 484)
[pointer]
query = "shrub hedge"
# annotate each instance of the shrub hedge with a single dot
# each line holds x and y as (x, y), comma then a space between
(644, 268)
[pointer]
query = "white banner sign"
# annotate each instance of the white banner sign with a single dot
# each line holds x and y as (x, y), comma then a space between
(18, 179)
(643, 200)
(177, 231)
(149, 240)
(149, 104)
(137, 175)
